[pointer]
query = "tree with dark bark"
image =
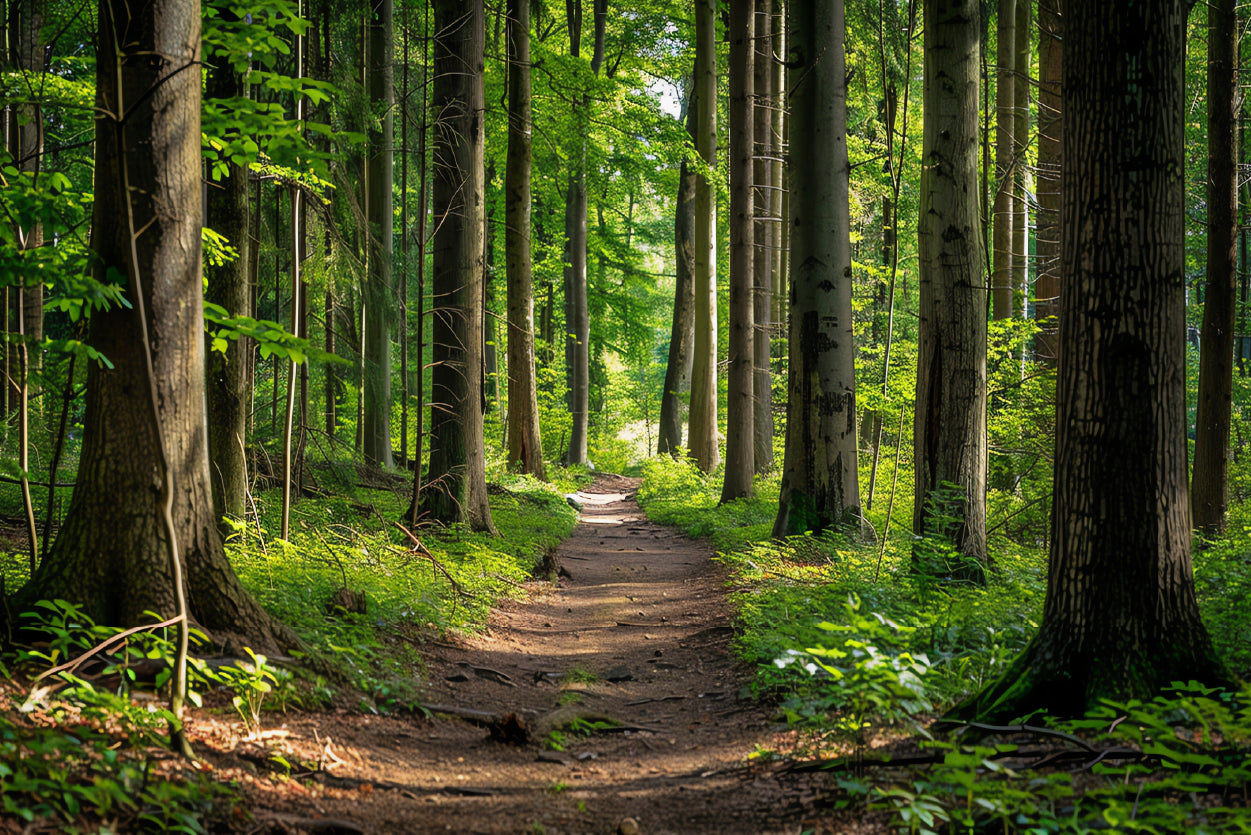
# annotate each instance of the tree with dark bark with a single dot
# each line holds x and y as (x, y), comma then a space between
(1047, 228)
(456, 489)
(740, 435)
(682, 331)
(949, 432)
(820, 486)
(380, 299)
(1001, 221)
(112, 555)
(229, 390)
(1120, 619)
(525, 446)
(1209, 485)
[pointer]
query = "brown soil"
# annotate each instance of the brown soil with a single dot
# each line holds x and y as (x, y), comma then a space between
(637, 635)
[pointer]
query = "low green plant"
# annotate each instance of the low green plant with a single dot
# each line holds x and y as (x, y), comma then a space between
(251, 681)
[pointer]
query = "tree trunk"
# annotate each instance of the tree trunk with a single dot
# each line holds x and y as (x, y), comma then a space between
(682, 332)
(1209, 497)
(702, 434)
(766, 205)
(1047, 227)
(1020, 151)
(380, 296)
(949, 433)
(456, 490)
(1120, 619)
(1005, 57)
(111, 555)
(577, 340)
(740, 441)
(229, 395)
(820, 487)
(525, 446)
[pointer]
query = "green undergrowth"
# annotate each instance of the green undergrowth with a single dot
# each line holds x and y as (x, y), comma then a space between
(858, 650)
(439, 580)
(88, 753)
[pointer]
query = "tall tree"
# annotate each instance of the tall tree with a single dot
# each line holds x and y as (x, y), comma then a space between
(525, 447)
(456, 491)
(740, 441)
(949, 433)
(144, 470)
(577, 316)
(1020, 151)
(702, 433)
(767, 206)
(1001, 223)
(229, 391)
(25, 144)
(1209, 496)
(1047, 228)
(820, 487)
(380, 299)
(682, 331)
(1120, 619)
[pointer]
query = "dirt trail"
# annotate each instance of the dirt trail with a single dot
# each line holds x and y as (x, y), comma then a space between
(639, 632)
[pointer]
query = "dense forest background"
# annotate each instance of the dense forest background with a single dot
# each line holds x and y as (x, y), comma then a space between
(456, 257)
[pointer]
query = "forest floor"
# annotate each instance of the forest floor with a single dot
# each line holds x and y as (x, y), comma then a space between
(633, 706)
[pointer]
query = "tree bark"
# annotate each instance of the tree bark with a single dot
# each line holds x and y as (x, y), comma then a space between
(740, 441)
(1209, 497)
(111, 555)
(456, 490)
(525, 446)
(767, 206)
(380, 295)
(1047, 227)
(682, 332)
(1005, 57)
(949, 433)
(1020, 152)
(1120, 619)
(820, 485)
(229, 394)
(702, 434)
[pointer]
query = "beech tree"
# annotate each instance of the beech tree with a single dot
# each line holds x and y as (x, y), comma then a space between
(456, 489)
(525, 447)
(820, 486)
(949, 432)
(1120, 619)
(767, 205)
(144, 469)
(702, 432)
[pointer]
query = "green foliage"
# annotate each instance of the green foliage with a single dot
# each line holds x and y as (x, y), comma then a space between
(1180, 763)
(251, 682)
(863, 679)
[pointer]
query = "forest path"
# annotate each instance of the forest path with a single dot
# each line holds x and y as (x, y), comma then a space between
(639, 631)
